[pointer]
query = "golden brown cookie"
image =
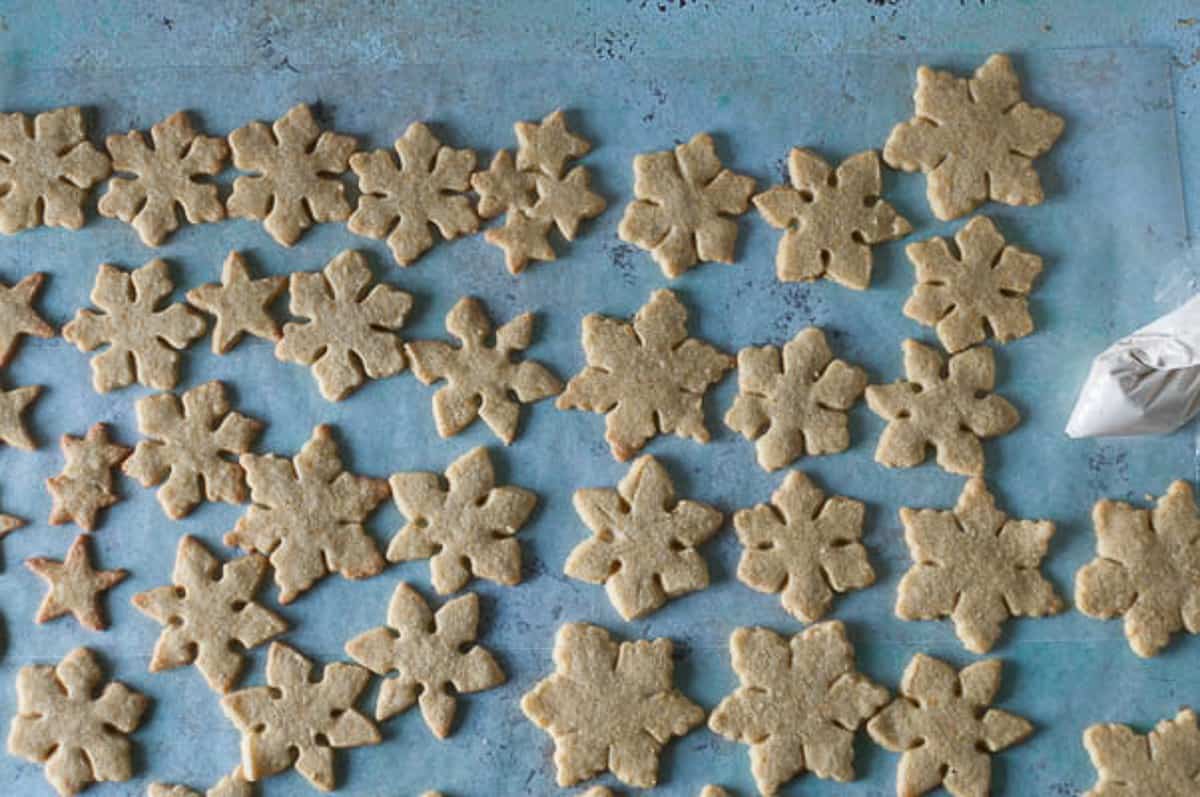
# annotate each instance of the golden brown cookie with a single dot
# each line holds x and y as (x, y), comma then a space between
(232, 785)
(1165, 761)
(85, 484)
(239, 304)
(17, 316)
(74, 586)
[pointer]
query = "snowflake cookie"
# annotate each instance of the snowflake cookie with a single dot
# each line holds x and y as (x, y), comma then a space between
(948, 406)
(295, 169)
(232, 785)
(74, 723)
(74, 586)
(307, 516)
(165, 178)
(975, 138)
(188, 437)
(144, 338)
(647, 378)
(982, 289)
(465, 529)
(643, 543)
(400, 204)
(604, 791)
(430, 654)
(240, 304)
(482, 378)
(1147, 569)
(295, 721)
(976, 566)
(799, 703)
(350, 335)
(209, 614)
(46, 169)
(1164, 762)
(534, 194)
(831, 218)
(794, 403)
(17, 316)
(13, 404)
(803, 546)
(685, 204)
(942, 724)
(609, 706)
(85, 484)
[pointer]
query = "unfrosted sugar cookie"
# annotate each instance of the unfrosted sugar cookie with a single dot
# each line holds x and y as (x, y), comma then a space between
(75, 586)
(239, 304)
(18, 317)
(232, 785)
(85, 484)
(1164, 762)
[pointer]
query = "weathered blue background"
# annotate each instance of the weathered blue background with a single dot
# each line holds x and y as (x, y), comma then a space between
(833, 76)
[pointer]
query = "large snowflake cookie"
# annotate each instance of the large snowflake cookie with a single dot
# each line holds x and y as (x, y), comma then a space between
(1164, 762)
(975, 138)
(647, 378)
(232, 785)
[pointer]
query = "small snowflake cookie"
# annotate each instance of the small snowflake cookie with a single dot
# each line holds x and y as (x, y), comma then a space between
(144, 338)
(209, 607)
(685, 206)
(85, 485)
(983, 289)
(794, 402)
(349, 336)
(430, 654)
(609, 706)
(75, 586)
(232, 785)
(428, 189)
(295, 169)
(482, 378)
(306, 516)
(296, 721)
(239, 304)
(803, 546)
(74, 723)
(1164, 762)
(47, 166)
(799, 703)
(944, 727)
(17, 316)
(946, 405)
(464, 529)
(1147, 569)
(165, 178)
(975, 138)
(644, 540)
(831, 218)
(646, 378)
(533, 192)
(976, 566)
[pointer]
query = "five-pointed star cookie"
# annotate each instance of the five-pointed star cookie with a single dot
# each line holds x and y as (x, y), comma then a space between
(13, 404)
(85, 485)
(239, 303)
(17, 316)
(75, 587)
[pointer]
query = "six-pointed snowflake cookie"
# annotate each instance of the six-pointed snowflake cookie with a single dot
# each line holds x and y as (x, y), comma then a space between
(482, 378)
(646, 378)
(976, 566)
(232, 785)
(464, 529)
(1147, 568)
(74, 723)
(644, 540)
(609, 706)
(240, 304)
(166, 178)
(209, 607)
(307, 516)
(74, 586)
(983, 289)
(975, 138)
(944, 727)
(804, 546)
(47, 166)
(350, 335)
(948, 406)
(799, 703)
(1164, 762)
(794, 402)
(295, 169)
(685, 206)
(17, 316)
(533, 192)
(188, 439)
(831, 218)
(604, 791)
(85, 484)
(143, 336)
(299, 722)
(428, 189)
(430, 654)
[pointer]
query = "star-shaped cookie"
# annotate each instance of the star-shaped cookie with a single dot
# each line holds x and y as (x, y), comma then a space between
(75, 586)
(239, 304)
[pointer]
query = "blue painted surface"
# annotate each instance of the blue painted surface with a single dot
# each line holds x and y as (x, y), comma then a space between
(1115, 214)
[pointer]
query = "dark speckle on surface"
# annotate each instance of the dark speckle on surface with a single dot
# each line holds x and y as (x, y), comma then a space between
(168, 23)
(621, 256)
